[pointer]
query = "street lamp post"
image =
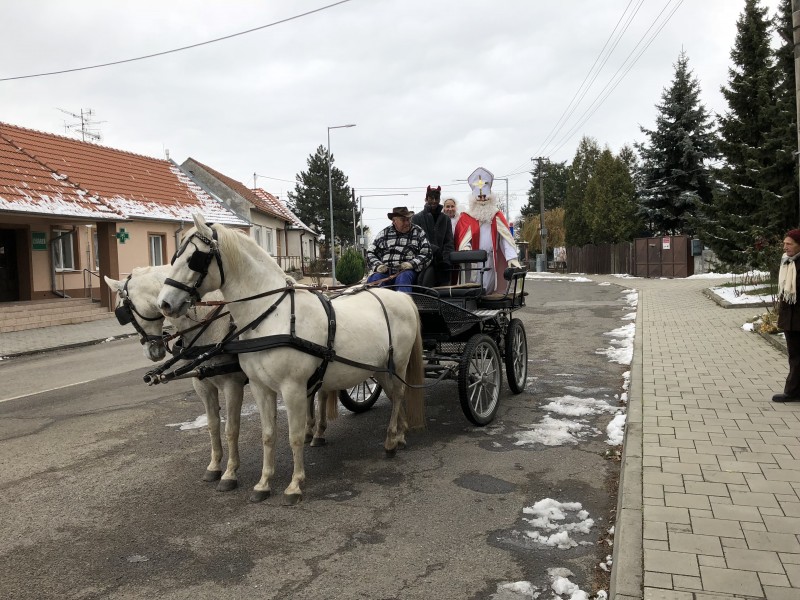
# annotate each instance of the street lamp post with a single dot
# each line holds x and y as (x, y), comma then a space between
(331, 244)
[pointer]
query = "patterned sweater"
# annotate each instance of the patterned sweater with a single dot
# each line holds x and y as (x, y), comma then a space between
(390, 247)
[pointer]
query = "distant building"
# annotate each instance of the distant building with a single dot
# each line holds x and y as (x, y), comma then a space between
(73, 211)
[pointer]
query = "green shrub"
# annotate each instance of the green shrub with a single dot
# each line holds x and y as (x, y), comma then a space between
(350, 267)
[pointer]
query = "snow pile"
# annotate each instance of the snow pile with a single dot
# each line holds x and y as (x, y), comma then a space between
(621, 350)
(554, 521)
(616, 430)
(554, 432)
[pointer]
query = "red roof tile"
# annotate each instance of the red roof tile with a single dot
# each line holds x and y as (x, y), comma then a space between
(131, 184)
(241, 189)
(282, 208)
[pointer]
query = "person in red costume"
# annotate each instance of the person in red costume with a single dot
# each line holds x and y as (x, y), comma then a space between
(484, 226)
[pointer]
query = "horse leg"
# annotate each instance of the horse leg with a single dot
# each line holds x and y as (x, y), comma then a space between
(395, 434)
(294, 397)
(267, 401)
(311, 421)
(210, 397)
(318, 439)
(233, 389)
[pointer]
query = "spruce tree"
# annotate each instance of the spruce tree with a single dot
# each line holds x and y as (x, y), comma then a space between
(554, 188)
(736, 216)
(676, 179)
(311, 200)
(780, 176)
(610, 203)
(580, 173)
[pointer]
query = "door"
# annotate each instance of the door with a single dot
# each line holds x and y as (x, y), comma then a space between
(9, 280)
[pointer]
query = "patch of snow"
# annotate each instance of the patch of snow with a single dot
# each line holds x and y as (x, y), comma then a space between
(616, 430)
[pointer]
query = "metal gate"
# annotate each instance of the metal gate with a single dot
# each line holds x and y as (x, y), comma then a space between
(666, 256)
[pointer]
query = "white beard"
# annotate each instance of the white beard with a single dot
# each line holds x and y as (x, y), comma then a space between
(484, 211)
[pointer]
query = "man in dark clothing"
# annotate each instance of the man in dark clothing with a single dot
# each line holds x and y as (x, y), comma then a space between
(439, 232)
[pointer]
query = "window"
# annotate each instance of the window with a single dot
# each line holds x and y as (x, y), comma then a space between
(156, 249)
(63, 250)
(257, 234)
(269, 241)
(96, 250)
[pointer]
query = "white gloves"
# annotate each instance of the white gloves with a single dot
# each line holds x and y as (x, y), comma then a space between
(406, 266)
(514, 263)
(381, 269)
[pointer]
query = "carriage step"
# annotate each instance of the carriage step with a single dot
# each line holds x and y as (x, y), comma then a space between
(21, 316)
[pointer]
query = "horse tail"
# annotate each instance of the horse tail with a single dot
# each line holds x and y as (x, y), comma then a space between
(331, 404)
(415, 375)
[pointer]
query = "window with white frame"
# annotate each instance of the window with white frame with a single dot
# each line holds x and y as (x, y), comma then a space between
(96, 250)
(269, 240)
(156, 249)
(257, 234)
(63, 250)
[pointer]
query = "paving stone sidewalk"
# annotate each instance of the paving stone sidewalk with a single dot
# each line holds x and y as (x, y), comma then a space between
(710, 490)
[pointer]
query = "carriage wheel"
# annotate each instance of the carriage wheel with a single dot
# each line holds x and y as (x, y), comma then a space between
(361, 397)
(480, 379)
(516, 356)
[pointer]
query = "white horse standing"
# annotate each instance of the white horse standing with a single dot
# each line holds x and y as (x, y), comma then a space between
(372, 328)
(137, 296)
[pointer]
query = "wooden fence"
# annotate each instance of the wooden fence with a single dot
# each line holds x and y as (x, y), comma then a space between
(601, 259)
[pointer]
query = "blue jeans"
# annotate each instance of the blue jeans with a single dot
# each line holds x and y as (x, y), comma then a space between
(401, 283)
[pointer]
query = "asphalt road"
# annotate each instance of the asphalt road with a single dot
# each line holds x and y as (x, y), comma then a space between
(101, 494)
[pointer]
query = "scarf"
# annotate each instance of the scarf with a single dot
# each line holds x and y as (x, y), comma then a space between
(787, 279)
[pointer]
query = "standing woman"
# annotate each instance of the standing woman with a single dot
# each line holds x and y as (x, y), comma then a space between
(789, 315)
(449, 208)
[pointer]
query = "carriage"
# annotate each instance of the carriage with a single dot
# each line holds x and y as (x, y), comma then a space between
(466, 335)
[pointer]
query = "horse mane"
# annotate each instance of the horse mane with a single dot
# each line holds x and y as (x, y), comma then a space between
(232, 248)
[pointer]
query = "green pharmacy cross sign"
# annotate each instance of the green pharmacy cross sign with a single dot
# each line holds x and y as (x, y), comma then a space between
(122, 235)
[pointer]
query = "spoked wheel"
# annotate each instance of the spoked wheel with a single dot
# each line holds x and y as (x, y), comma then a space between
(516, 356)
(480, 380)
(361, 397)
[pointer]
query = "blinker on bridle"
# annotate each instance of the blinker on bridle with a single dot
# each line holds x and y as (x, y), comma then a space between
(125, 315)
(199, 262)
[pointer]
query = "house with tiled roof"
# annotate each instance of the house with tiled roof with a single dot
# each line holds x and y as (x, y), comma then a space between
(73, 211)
(274, 227)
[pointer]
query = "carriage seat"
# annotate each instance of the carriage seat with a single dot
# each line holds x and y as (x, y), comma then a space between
(463, 290)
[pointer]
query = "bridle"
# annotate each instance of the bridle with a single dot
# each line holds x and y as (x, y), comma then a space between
(199, 262)
(127, 313)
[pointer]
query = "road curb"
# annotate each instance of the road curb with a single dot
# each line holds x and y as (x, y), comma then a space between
(627, 571)
(80, 344)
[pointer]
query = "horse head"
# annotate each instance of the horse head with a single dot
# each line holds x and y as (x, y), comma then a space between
(196, 270)
(136, 304)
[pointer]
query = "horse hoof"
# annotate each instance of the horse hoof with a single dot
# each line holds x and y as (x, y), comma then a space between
(309, 437)
(226, 485)
(211, 475)
(259, 496)
(292, 499)
(317, 441)
(391, 453)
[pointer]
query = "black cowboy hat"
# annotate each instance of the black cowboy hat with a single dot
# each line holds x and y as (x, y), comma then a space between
(399, 211)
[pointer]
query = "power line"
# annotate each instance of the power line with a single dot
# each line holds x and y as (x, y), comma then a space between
(598, 101)
(165, 52)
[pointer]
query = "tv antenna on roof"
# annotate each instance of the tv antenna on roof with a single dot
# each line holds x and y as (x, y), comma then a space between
(85, 126)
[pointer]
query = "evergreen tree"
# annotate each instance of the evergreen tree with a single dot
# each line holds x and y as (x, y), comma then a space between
(554, 188)
(311, 200)
(676, 180)
(609, 206)
(580, 173)
(780, 176)
(741, 202)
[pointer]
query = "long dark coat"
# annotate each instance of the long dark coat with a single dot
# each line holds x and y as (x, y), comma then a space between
(439, 232)
(789, 314)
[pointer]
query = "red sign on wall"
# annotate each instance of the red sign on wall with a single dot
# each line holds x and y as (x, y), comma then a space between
(665, 243)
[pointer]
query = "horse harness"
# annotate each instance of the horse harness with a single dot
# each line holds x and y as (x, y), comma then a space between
(125, 314)
(200, 261)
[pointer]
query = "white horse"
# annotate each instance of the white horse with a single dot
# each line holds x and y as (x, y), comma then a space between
(136, 297)
(374, 328)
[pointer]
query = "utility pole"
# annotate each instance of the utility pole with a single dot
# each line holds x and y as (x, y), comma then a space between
(542, 229)
(353, 196)
(796, 41)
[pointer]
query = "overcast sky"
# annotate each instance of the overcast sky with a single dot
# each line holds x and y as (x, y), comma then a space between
(436, 88)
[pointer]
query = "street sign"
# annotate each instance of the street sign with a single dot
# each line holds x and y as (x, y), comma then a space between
(39, 240)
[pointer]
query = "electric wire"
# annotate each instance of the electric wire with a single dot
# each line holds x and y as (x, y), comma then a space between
(182, 48)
